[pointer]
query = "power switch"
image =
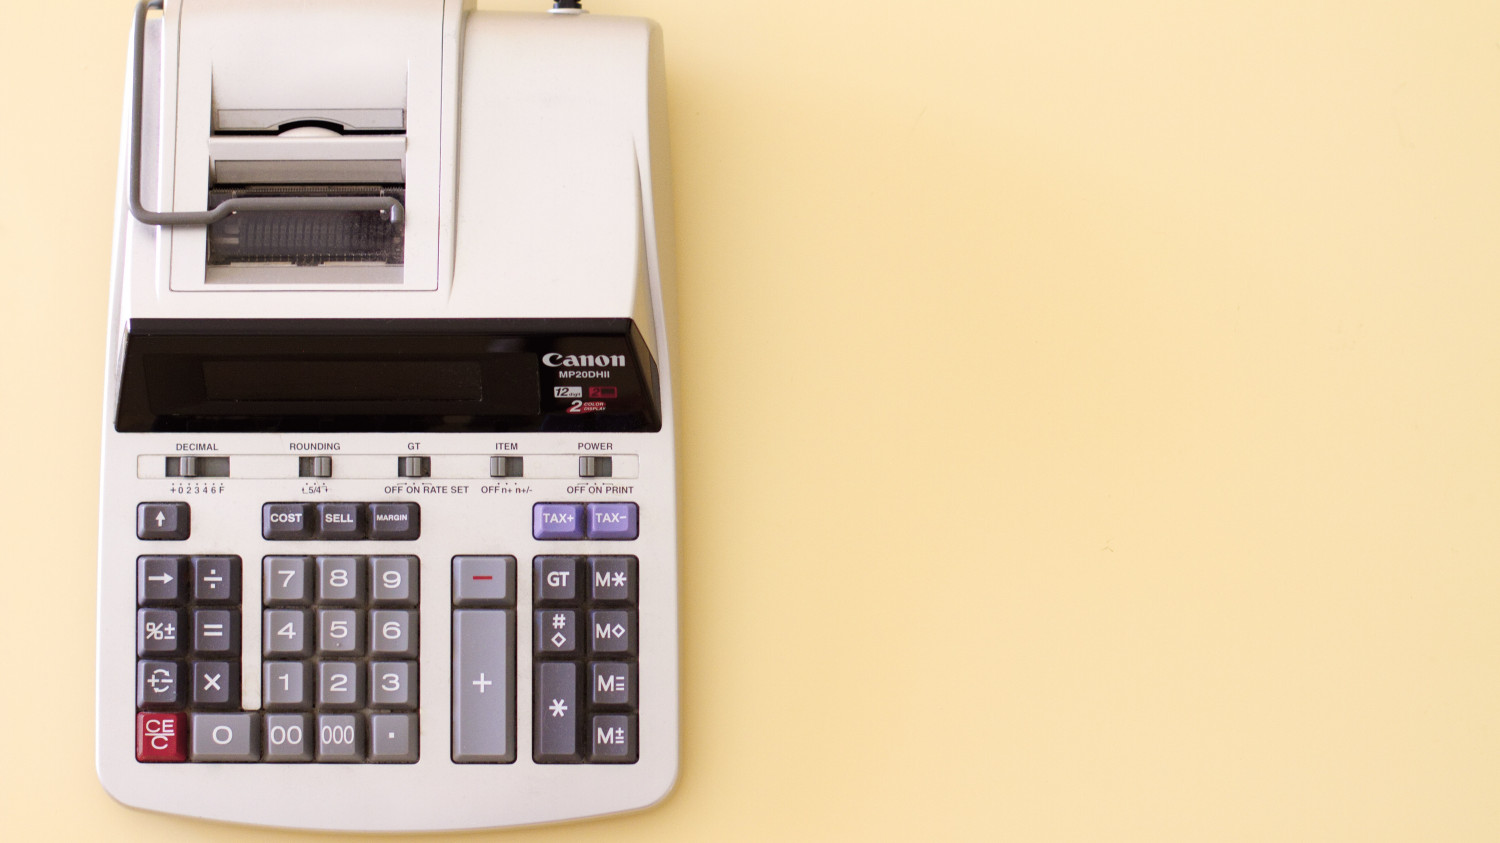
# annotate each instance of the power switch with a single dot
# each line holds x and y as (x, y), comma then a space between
(315, 466)
(414, 467)
(596, 467)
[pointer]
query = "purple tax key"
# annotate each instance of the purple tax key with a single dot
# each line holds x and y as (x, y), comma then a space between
(613, 521)
(557, 521)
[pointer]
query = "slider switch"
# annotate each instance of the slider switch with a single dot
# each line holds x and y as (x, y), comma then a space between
(596, 467)
(315, 466)
(414, 467)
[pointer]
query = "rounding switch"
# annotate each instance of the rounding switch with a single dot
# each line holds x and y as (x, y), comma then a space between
(315, 466)
(414, 467)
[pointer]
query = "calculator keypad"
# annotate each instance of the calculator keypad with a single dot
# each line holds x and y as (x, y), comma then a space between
(339, 659)
(585, 701)
(339, 679)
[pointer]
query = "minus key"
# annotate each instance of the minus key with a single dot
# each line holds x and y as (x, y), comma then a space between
(484, 581)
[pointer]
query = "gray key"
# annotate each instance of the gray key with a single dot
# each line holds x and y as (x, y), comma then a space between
(393, 685)
(554, 579)
(613, 632)
(157, 685)
(285, 685)
(555, 710)
(612, 579)
(163, 521)
(284, 634)
(614, 739)
(216, 579)
(393, 738)
(226, 737)
(341, 580)
(393, 633)
(340, 685)
(287, 521)
(341, 737)
(158, 632)
(556, 632)
(216, 684)
(612, 684)
(341, 632)
(394, 580)
(216, 632)
(288, 580)
(289, 737)
(484, 581)
(160, 580)
(484, 705)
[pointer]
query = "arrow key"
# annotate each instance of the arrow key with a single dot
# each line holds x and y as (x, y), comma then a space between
(159, 580)
(162, 521)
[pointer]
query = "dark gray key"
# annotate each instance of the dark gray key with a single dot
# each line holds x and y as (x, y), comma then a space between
(341, 737)
(285, 634)
(163, 521)
(394, 581)
(612, 579)
(216, 684)
(555, 579)
(484, 704)
(158, 632)
(161, 580)
(395, 521)
(287, 521)
(612, 684)
(393, 738)
(341, 521)
(393, 685)
(614, 739)
(555, 711)
(289, 737)
(216, 579)
(157, 685)
(393, 633)
(286, 685)
(484, 581)
(288, 580)
(555, 632)
(341, 632)
(612, 632)
(226, 737)
(341, 685)
(216, 632)
(341, 580)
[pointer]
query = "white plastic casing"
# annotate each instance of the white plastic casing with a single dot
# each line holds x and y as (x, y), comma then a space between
(538, 187)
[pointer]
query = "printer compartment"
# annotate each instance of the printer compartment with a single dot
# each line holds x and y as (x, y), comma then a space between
(305, 238)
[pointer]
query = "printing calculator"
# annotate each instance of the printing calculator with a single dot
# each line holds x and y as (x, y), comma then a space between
(388, 521)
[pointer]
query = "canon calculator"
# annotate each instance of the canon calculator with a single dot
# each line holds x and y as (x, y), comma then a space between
(388, 525)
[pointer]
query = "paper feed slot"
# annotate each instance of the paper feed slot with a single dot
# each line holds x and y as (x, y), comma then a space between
(300, 159)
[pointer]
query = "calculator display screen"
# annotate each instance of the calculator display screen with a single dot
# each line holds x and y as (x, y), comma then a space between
(387, 375)
(339, 380)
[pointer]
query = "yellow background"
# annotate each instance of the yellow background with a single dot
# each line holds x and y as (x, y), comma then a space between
(1089, 419)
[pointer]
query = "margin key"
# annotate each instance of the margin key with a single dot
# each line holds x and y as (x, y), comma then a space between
(484, 700)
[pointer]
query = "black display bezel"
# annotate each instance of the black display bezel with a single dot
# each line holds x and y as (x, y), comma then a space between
(163, 384)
